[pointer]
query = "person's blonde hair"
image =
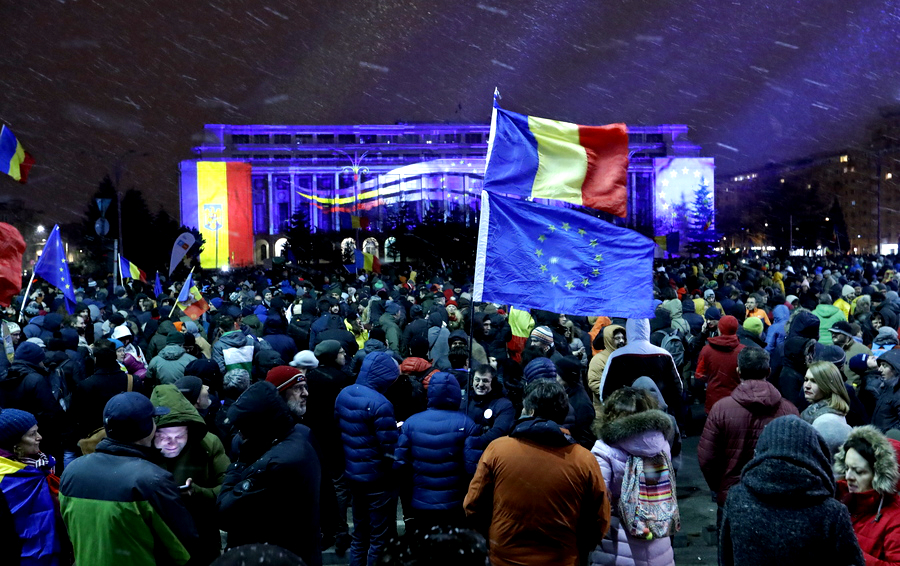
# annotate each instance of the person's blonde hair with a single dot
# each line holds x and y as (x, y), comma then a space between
(831, 383)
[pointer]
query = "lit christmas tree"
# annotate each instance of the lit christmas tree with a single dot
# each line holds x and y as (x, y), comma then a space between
(703, 238)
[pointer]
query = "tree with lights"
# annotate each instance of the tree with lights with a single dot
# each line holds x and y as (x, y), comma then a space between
(700, 221)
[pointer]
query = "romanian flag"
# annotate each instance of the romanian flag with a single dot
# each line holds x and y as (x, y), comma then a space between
(541, 158)
(14, 160)
(521, 323)
(190, 301)
(365, 261)
(131, 270)
(216, 199)
(359, 222)
(27, 491)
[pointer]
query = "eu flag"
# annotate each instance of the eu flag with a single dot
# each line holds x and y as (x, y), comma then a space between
(52, 266)
(157, 287)
(557, 259)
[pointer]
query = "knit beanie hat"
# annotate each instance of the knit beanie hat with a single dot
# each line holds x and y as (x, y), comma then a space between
(569, 369)
(30, 352)
(305, 359)
(728, 325)
(539, 368)
(712, 313)
(859, 364)
(753, 325)
(175, 338)
(190, 386)
(14, 423)
(831, 353)
(709, 293)
(795, 441)
(543, 334)
(847, 290)
(283, 377)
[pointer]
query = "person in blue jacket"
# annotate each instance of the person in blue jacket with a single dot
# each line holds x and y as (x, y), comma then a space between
(369, 437)
(437, 447)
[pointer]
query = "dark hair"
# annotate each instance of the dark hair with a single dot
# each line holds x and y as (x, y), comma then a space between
(753, 363)
(435, 546)
(258, 554)
(667, 293)
(547, 399)
(487, 370)
(226, 322)
(866, 450)
(458, 356)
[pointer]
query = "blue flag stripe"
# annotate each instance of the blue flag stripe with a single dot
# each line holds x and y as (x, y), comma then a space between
(513, 162)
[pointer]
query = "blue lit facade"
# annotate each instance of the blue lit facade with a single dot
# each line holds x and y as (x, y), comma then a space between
(333, 172)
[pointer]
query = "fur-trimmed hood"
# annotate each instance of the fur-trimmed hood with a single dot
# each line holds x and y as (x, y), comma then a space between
(633, 425)
(887, 469)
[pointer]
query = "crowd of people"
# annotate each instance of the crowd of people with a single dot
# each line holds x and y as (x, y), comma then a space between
(130, 432)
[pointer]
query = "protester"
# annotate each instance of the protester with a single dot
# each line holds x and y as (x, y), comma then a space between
(829, 403)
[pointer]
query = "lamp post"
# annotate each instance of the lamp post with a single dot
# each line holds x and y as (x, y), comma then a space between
(356, 170)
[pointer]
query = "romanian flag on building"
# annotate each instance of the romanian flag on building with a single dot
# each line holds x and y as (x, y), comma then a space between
(190, 301)
(131, 270)
(216, 199)
(14, 160)
(359, 222)
(541, 158)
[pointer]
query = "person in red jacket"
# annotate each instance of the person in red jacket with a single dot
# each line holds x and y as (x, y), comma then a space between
(868, 462)
(735, 423)
(717, 365)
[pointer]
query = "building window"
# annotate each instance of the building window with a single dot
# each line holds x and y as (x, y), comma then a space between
(346, 139)
(452, 138)
(282, 156)
(368, 138)
(282, 138)
(260, 209)
(473, 138)
(889, 176)
(409, 138)
(844, 159)
(240, 138)
(282, 201)
(260, 138)
(262, 156)
(325, 138)
(305, 139)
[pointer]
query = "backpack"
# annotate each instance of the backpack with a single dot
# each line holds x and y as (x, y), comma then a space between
(672, 343)
(648, 508)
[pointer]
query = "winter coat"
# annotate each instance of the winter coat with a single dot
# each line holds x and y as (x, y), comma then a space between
(783, 511)
(371, 345)
(543, 496)
(717, 367)
(875, 513)
(417, 328)
(581, 416)
(366, 420)
(639, 358)
(790, 380)
(644, 435)
(92, 394)
(202, 459)
(732, 429)
(274, 333)
(674, 307)
(276, 468)
(886, 414)
(437, 337)
(158, 342)
(168, 366)
(598, 364)
(119, 502)
(689, 314)
(493, 412)
(851, 350)
(438, 446)
(235, 349)
(674, 436)
(392, 332)
(776, 333)
(27, 492)
(26, 386)
(830, 424)
(828, 315)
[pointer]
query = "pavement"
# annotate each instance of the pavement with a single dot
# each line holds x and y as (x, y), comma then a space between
(694, 544)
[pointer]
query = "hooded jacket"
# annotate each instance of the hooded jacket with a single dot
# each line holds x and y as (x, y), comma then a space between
(598, 364)
(783, 511)
(644, 435)
(689, 314)
(886, 414)
(543, 496)
(828, 315)
(776, 333)
(277, 469)
(438, 335)
(790, 381)
(639, 357)
(366, 420)
(275, 334)
(119, 502)
(717, 364)
(168, 366)
(438, 447)
(158, 342)
(202, 459)
(875, 513)
(235, 349)
(674, 307)
(732, 429)
(674, 436)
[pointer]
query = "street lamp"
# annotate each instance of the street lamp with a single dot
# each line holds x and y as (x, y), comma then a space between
(40, 229)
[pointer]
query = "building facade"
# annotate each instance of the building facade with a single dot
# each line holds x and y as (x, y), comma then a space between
(335, 173)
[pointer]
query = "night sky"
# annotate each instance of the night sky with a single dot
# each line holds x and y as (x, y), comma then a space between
(97, 86)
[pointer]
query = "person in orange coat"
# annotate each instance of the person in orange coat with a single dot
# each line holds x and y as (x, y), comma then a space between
(541, 493)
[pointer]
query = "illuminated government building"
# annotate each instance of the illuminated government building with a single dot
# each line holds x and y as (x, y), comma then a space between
(335, 172)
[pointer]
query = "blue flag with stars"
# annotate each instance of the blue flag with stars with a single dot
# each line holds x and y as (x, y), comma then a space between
(561, 260)
(54, 269)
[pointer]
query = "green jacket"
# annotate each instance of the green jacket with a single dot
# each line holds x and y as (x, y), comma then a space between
(117, 502)
(828, 315)
(203, 460)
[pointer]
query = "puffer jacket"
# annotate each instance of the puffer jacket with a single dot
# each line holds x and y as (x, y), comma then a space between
(366, 419)
(275, 334)
(732, 429)
(203, 460)
(493, 412)
(886, 414)
(828, 316)
(875, 513)
(717, 367)
(776, 333)
(641, 434)
(168, 366)
(438, 447)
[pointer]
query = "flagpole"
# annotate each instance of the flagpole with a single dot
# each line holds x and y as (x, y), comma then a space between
(176, 298)
(25, 298)
(121, 274)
